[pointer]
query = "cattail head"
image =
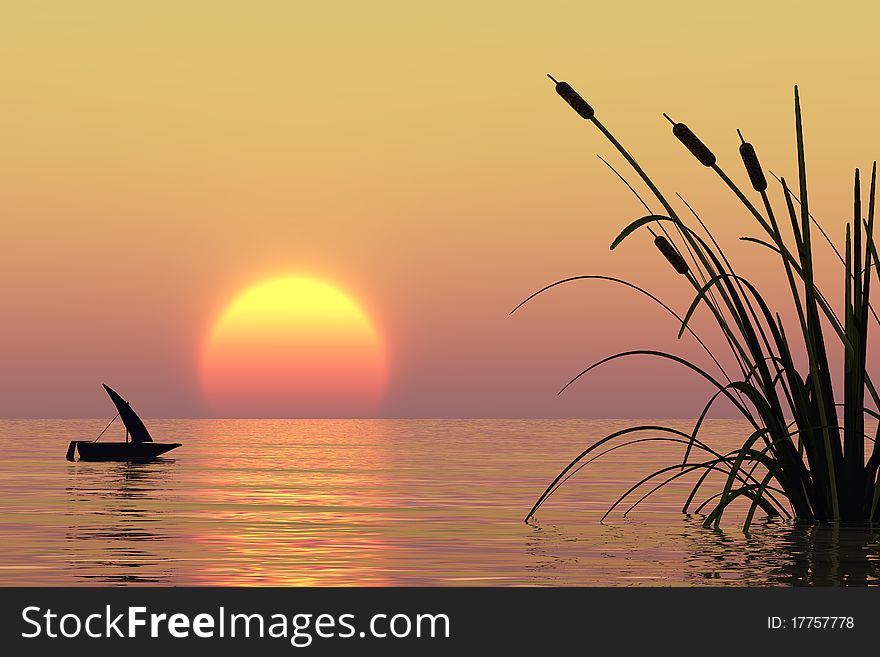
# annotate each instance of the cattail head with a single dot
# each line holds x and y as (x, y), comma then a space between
(692, 143)
(753, 167)
(573, 98)
(669, 252)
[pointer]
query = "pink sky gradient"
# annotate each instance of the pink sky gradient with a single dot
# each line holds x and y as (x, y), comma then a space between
(421, 162)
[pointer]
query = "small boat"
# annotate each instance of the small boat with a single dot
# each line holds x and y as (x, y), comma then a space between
(138, 445)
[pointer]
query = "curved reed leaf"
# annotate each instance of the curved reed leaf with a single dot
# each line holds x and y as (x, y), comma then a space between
(768, 508)
(715, 516)
(726, 458)
(743, 452)
(587, 451)
(756, 500)
(711, 464)
(626, 182)
(634, 287)
(580, 466)
(660, 354)
(635, 225)
(815, 223)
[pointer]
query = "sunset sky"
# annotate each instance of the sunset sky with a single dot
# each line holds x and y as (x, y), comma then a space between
(159, 160)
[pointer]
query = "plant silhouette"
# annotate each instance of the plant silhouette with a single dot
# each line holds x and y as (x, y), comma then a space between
(806, 454)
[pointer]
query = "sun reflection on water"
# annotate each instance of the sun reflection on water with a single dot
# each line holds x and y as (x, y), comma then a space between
(383, 502)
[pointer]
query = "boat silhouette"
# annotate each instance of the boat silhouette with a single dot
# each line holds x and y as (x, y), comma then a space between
(138, 445)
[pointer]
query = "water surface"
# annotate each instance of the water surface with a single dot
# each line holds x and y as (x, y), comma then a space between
(382, 502)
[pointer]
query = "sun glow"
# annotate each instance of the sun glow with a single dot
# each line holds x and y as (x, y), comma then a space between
(293, 347)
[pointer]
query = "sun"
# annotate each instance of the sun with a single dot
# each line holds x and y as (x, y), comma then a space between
(293, 347)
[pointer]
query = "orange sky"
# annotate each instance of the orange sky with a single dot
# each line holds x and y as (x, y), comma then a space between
(160, 158)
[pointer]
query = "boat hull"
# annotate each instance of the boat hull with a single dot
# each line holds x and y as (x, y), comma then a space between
(94, 451)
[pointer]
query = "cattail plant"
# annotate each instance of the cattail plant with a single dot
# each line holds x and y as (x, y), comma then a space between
(697, 148)
(573, 98)
(669, 252)
(807, 455)
(753, 167)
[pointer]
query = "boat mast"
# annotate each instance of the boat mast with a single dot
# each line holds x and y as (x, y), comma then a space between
(107, 427)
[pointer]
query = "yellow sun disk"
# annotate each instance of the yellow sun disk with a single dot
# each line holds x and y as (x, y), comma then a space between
(294, 345)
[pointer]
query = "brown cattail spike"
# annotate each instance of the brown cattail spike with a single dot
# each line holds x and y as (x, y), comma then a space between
(573, 98)
(669, 252)
(753, 167)
(693, 143)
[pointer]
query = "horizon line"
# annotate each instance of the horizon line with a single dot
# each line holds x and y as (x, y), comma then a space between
(413, 417)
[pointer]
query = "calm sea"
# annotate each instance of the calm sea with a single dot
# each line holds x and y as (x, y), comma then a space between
(382, 502)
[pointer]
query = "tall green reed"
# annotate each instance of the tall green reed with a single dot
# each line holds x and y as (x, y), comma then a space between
(805, 457)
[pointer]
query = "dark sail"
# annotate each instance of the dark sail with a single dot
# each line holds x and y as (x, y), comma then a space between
(130, 419)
